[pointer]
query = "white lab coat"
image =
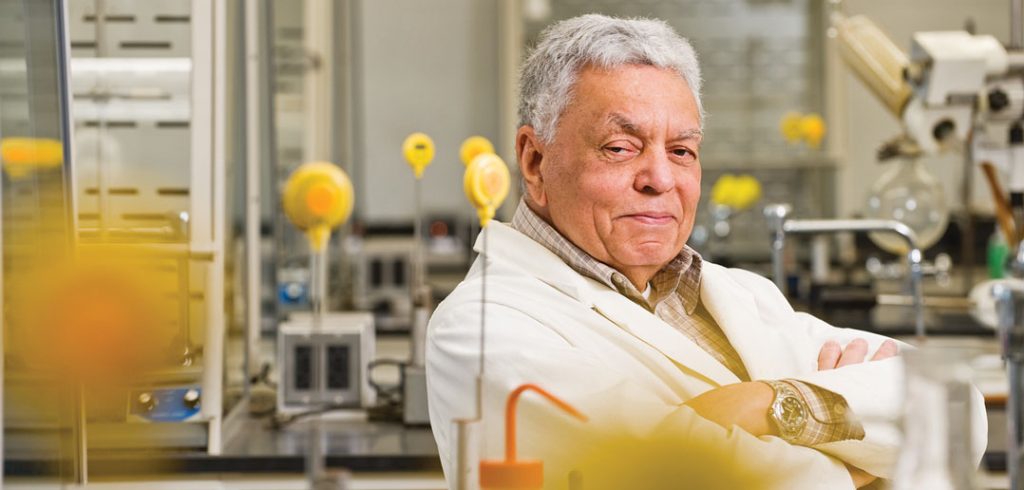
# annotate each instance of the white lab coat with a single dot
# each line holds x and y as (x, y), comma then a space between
(614, 360)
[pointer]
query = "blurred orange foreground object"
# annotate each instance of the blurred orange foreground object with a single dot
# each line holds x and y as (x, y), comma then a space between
(518, 475)
(20, 156)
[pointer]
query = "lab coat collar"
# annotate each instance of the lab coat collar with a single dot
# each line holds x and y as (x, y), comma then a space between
(508, 245)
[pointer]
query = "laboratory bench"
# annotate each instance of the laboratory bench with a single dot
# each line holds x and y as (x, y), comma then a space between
(255, 448)
(255, 451)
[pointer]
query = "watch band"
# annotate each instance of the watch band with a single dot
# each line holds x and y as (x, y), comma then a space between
(788, 410)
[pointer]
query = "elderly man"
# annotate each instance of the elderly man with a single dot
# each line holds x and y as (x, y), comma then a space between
(593, 294)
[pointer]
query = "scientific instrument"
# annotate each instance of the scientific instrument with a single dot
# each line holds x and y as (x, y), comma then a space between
(320, 362)
(955, 90)
(486, 184)
(418, 150)
(325, 367)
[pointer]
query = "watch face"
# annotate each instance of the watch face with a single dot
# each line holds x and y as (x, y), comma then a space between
(791, 414)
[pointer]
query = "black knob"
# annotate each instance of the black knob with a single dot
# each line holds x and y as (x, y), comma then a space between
(191, 398)
(145, 401)
(998, 100)
(943, 129)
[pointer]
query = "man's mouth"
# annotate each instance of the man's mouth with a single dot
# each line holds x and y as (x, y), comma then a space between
(652, 218)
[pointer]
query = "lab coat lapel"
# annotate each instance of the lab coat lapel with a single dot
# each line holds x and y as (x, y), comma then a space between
(505, 243)
(641, 323)
(735, 310)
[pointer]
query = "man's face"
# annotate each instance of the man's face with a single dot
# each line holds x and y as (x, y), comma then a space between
(621, 179)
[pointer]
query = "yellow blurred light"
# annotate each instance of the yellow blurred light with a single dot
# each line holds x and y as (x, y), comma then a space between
(486, 184)
(812, 128)
(473, 146)
(808, 128)
(790, 127)
(723, 189)
(22, 156)
(317, 198)
(97, 321)
(418, 150)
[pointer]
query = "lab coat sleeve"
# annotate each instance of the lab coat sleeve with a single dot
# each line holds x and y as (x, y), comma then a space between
(521, 348)
(873, 390)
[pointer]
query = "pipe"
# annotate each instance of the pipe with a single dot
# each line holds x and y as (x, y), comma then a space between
(1010, 312)
(1016, 24)
(777, 215)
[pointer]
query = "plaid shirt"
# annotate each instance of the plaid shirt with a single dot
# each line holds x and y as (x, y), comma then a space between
(675, 298)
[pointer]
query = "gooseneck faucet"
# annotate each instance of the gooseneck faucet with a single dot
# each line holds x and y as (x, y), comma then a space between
(780, 225)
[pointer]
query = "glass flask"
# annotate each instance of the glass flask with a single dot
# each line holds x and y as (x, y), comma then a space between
(908, 193)
(936, 452)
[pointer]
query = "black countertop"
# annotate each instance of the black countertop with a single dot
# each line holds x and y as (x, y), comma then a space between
(356, 446)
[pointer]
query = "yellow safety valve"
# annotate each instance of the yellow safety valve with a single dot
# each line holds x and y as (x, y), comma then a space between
(723, 190)
(318, 198)
(797, 127)
(747, 192)
(473, 146)
(790, 127)
(22, 155)
(321, 198)
(486, 183)
(812, 128)
(418, 149)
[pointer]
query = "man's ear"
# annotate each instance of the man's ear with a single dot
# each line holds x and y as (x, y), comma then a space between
(530, 154)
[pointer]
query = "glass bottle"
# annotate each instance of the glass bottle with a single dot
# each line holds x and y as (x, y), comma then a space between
(936, 452)
(907, 192)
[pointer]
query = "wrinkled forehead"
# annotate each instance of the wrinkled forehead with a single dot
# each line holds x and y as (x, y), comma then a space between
(635, 99)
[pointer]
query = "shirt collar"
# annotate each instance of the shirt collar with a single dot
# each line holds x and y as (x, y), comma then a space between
(681, 275)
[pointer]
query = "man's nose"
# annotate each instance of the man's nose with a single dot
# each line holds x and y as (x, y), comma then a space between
(654, 175)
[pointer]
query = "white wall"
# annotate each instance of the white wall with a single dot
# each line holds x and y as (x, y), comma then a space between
(430, 67)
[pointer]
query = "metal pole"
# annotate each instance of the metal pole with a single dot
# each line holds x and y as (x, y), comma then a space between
(916, 276)
(206, 199)
(80, 434)
(777, 215)
(3, 329)
(1016, 24)
(1010, 313)
(419, 269)
(253, 218)
(1015, 423)
(778, 264)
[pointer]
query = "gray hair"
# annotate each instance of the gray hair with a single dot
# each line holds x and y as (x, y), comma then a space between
(565, 48)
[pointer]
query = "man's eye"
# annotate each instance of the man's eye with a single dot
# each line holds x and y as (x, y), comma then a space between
(682, 152)
(616, 149)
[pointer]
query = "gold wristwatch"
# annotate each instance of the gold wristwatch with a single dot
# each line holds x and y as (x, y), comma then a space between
(788, 410)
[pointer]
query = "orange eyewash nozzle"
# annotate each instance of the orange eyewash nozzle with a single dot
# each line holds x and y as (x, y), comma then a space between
(510, 473)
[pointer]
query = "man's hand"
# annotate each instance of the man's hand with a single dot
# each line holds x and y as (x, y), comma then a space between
(741, 404)
(833, 356)
(745, 405)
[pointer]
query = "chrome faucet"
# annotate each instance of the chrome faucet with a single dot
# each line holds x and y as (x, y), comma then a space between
(780, 224)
